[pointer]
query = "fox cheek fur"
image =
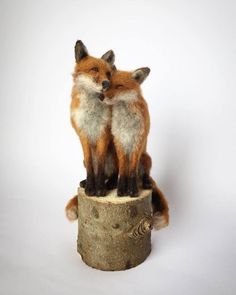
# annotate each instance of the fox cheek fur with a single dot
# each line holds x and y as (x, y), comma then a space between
(85, 83)
(99, 70)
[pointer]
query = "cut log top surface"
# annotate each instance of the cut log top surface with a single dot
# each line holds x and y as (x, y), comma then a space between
(112, 197)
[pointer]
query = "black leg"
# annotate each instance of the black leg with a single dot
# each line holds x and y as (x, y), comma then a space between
(90, 185)
(100, 183)
(133, 186)
(122, 186)
(112, 181)
(147, 184)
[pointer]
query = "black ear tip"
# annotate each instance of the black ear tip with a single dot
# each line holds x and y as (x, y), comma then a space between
(79, 42)
(111, 53)
(147, 70)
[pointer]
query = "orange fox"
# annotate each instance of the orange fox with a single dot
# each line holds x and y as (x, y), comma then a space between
(130, 127)
(90, 117)
(131, 114)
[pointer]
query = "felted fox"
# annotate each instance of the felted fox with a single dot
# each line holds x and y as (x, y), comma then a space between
(90, 117)
(130, 127)
(123, 93)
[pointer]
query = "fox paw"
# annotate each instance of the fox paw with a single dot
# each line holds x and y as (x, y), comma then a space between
(133, 187)
(82, 183)
(101, 192)
(90, 191)
(122, 187)
(133, 192)
(160, 220)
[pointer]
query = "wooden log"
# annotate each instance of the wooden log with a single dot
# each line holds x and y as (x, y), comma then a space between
(114, 232)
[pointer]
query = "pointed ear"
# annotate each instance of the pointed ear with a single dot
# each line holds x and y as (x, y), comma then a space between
(109, 57)
(80, 51)
(140, 75)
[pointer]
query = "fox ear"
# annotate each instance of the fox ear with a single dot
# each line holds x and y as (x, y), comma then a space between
(141, 74)
(109, 57)
(80, 51)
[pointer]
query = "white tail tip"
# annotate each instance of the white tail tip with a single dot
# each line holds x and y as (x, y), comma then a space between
(159, 221)
(72, 213)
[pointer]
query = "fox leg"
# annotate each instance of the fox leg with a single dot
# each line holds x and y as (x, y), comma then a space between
(112, 181)
(145, 167)
(101, 150)
(122, 164)
(90, 180)
(122, 185)
(111, 167)
(133, 173)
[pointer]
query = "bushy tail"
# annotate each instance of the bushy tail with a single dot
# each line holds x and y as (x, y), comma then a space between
(159, 207)
(72, 209)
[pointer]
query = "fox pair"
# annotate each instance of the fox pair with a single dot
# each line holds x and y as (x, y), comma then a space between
(111, 118)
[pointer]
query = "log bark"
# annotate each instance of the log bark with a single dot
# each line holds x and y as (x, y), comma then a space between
(114, 232)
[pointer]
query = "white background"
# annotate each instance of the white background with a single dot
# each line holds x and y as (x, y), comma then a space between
(190, 47)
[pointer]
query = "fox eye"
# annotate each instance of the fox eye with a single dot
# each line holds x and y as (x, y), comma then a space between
(108, 75)
(94, 69)
(119, 86)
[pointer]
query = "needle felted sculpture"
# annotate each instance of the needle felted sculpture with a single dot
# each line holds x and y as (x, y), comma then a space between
(90, 118)
(111, 118)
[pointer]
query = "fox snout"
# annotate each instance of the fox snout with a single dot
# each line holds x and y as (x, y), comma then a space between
(101, 96)
(105, 84)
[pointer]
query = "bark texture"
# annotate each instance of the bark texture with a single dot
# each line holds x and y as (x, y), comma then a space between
(114, 232)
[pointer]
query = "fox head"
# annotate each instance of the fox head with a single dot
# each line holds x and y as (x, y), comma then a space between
(125, 86)
(91, 74)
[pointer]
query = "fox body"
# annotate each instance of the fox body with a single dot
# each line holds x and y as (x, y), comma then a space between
(90, 117)
(97, 122)
(130, 125)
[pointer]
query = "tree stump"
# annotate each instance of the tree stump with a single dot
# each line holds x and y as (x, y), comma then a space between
(114, 232)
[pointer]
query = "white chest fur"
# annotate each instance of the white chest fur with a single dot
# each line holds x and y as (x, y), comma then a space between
(127, 126)
(91, 117)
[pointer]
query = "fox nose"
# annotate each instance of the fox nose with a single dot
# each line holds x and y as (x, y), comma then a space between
(105, 84)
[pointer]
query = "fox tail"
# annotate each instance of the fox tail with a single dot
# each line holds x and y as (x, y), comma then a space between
(72, 209)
